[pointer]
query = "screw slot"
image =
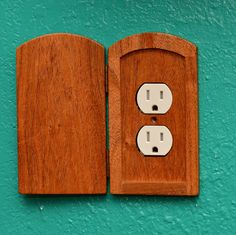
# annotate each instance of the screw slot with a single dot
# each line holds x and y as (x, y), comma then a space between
(154, 119)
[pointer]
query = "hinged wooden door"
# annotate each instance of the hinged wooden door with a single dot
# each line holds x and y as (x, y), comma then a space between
(61, 116)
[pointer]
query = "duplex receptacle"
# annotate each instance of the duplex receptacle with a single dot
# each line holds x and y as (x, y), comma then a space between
(154, 98)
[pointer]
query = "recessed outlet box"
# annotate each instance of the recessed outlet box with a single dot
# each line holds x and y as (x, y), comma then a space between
(153, 115)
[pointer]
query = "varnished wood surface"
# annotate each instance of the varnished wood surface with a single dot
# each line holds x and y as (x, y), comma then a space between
(61, 116)
(153, 57)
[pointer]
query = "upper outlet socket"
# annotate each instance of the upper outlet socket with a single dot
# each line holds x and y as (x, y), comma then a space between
(154, 98)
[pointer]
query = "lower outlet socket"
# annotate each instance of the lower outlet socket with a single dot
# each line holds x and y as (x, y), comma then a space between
(154, 140)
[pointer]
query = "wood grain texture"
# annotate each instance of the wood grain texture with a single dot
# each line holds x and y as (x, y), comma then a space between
(61, 116)
(153, 57)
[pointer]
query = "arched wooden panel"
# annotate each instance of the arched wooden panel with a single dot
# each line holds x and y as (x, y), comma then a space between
(61, 116)
(153, 58)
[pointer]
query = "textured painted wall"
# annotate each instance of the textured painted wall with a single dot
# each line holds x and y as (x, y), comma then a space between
(210, 25)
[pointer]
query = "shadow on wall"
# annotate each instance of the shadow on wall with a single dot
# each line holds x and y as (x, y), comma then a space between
(57, 200)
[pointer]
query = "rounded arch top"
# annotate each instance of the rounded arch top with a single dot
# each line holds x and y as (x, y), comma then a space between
(152, 40)
(65, 36)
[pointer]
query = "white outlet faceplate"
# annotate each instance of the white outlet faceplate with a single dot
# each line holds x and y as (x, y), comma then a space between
(154, 98)
(154, 140)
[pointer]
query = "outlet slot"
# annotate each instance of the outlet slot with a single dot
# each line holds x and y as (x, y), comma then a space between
(148, 94)
(154, 108)
(155, 149)
(148, 136)
(161, 137)
(161, 95)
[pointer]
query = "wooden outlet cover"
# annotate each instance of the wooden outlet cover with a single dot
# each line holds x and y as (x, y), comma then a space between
(61, 116)
(148, 58)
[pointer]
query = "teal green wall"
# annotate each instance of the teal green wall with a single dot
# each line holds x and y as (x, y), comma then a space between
(211, 25)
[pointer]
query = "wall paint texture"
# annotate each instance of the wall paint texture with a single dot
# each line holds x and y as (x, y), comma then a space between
(208, 24)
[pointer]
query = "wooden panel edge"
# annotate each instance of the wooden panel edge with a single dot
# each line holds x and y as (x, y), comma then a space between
(115, 134)
(150, 40)
(152, 188)
(60, 34)
(192, 123)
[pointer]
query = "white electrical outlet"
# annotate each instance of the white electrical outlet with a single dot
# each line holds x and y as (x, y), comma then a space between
(154, 98)
(154, 140)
